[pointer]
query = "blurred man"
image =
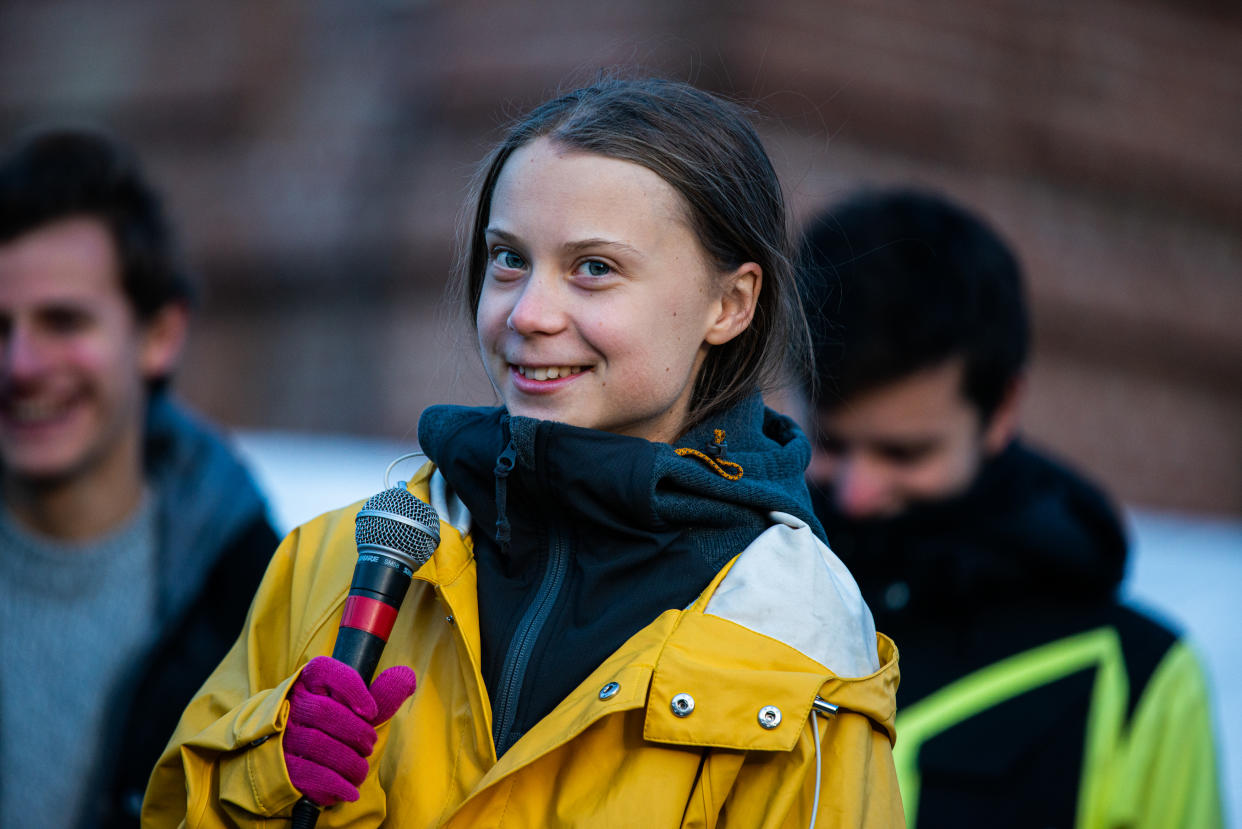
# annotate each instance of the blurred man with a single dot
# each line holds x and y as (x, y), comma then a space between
(131, 540)
(1029, 695)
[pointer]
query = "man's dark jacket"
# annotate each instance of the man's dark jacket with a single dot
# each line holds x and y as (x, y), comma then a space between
(1006, 587)
(214, 542)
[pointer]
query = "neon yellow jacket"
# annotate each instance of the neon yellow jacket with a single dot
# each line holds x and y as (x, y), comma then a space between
(1151, 770)
(598, 759)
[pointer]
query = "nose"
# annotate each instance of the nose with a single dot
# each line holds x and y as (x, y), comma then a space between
(862, 490)
(822, 468)
(539, 307)
(22, 357)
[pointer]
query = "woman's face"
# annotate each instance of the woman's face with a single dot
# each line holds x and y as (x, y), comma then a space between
(598, 304)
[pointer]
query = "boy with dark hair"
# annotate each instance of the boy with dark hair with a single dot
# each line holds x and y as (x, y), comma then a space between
(131, 539)
(1030, 696)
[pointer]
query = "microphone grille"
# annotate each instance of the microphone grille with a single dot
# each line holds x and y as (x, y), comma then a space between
(418, 540)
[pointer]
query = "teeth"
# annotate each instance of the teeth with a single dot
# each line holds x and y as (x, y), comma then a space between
(548, 372)
(31, 411)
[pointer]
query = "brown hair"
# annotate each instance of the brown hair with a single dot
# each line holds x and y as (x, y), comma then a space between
(704, 148)
(63, 172)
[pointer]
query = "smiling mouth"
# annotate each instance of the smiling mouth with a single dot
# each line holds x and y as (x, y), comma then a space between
(548, 372)
(32, 413)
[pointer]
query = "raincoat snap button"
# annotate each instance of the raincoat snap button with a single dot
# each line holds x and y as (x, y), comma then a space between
(682, 705)
(769, 716)
(610, 690)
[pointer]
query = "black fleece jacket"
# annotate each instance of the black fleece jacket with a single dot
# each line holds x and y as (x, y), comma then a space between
(583, 537)
(1031, 554)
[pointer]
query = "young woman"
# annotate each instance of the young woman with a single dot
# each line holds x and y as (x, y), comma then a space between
(631, 618)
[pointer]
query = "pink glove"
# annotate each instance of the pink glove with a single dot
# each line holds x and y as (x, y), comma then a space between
(331, 727)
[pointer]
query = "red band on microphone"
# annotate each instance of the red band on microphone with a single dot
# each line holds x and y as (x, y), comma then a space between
(370, 615)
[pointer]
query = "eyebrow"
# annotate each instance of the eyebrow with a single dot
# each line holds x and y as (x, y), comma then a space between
(587, 244)
(911, 444)
(573, 247)
(908, 446)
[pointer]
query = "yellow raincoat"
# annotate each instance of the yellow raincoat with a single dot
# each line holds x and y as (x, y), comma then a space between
(612, 754)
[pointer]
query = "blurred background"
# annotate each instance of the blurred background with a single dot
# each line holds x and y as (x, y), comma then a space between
(315, 155)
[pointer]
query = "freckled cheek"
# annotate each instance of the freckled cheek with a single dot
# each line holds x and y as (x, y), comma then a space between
(610, 335)
(490, 322)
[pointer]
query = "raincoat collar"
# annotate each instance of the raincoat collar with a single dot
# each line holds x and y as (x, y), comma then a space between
(630, 482)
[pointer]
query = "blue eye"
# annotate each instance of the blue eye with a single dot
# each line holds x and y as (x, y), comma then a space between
(596, 268)
(506, 258)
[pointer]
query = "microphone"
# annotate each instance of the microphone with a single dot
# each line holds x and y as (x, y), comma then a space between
(396, 533)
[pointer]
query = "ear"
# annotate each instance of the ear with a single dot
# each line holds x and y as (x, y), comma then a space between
(1004, 423)
(163, 337)
(736, 307)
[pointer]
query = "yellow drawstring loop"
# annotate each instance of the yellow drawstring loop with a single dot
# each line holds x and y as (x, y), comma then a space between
(715, 459)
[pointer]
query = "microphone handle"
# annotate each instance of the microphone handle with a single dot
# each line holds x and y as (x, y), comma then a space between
(379, 585)
(359, 650)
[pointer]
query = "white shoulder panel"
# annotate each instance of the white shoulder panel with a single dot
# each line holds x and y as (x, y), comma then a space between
(788, 585)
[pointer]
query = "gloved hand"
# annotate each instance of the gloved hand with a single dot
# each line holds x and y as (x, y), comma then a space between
(331, 726)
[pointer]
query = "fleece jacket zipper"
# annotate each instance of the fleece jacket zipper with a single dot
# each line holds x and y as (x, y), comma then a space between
(517, 659)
